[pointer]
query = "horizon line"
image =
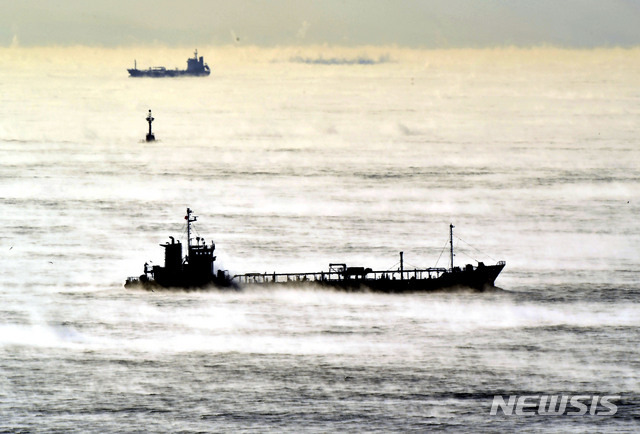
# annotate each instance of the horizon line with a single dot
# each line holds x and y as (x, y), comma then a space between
(18, 45)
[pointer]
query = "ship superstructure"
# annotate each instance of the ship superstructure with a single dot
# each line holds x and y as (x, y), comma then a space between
(195, 270)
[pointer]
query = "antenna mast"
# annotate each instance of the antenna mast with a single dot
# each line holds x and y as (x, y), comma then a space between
(189, 220)
(451, 241)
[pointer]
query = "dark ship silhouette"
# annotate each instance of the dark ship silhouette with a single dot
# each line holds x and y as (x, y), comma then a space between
(196, 270)
(195, 67)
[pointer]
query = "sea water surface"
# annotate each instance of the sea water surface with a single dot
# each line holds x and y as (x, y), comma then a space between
(293, 159)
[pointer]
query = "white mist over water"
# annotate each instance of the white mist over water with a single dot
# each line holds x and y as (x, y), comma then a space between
(531, 154)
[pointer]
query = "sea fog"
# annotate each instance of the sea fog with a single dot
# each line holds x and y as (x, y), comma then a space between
(294, 158)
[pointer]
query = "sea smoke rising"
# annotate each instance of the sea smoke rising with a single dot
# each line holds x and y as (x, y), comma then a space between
(531, 154)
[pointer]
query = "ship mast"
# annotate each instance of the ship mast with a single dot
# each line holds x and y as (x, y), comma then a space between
(451, 241)
(189, 220)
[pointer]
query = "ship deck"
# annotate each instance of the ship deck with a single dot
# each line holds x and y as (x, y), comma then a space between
(337, 276)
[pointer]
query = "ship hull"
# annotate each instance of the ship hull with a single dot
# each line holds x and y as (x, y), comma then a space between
(166, 73)
(478, 279)
(179, 284)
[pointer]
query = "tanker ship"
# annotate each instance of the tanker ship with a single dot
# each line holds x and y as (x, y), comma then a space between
(195, 68)
(197, 270)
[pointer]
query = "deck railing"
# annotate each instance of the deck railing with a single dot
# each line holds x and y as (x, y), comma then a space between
(332, 276)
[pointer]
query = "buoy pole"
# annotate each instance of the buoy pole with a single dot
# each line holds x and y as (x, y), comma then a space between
(150, 136)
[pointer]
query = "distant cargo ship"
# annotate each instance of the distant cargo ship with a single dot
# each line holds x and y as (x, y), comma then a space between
(196, 270)
(195, 68)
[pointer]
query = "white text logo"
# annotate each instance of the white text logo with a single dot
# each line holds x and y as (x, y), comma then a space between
(555, 405)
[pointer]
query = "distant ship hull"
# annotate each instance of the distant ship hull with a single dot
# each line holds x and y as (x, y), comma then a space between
(160, 73)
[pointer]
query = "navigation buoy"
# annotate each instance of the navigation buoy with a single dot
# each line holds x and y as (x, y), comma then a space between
(150, 136)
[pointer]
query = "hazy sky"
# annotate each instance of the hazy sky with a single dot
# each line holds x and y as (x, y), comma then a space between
(425, 23)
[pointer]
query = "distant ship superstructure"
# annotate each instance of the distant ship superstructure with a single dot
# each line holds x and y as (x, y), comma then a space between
(195, 67)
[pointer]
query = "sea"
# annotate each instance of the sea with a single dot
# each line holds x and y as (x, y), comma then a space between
(293, 158)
